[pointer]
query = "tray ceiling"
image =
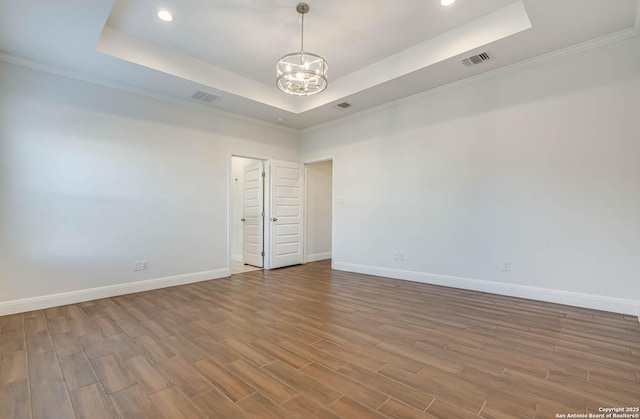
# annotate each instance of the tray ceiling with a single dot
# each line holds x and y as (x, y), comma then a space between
(378, 50)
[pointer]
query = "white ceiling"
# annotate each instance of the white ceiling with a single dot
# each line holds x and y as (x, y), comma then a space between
(378, 50)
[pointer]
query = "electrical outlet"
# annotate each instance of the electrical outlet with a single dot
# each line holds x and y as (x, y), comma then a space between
(137, 266)
(144, 264)
(398, 255)
(506, 265)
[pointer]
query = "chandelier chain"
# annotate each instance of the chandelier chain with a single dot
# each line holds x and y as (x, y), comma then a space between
(302, 36)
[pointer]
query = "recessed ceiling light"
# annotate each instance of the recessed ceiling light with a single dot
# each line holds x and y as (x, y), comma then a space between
(447, 2)
(165, 15)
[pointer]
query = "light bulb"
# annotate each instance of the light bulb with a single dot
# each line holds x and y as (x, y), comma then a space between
(165, 15)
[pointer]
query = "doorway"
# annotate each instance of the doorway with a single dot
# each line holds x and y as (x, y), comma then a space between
(266, 227)
(247, 214)
(319, 210)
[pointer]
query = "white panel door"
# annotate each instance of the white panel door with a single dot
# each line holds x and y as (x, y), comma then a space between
(253, 215)
(286, 214)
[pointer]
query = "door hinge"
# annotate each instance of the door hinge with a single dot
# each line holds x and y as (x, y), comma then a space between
(262, 174)
(262, 253)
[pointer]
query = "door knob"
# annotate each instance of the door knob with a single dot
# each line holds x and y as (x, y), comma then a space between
(243, 219)
(274, 219)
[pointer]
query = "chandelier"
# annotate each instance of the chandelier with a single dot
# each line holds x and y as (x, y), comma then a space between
(302, 73)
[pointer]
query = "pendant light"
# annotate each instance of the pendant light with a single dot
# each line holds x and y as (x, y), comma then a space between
(302, 73)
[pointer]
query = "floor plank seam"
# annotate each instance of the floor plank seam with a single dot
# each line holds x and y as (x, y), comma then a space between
(378, 351)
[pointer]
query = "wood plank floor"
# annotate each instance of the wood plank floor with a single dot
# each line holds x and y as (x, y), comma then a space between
(309, 342)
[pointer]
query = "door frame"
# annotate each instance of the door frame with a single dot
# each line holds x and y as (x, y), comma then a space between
(267, 206)
(306, 164)
(266, 263)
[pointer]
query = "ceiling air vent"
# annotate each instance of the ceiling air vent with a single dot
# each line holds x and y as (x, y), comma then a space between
(205, 97)
(476, 59)
(343, 105)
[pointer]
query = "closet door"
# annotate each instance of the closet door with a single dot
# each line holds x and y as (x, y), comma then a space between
(286, 214)
(253, 215)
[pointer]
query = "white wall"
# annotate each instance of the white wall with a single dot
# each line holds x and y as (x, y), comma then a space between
(540, 166)
(319, 208)
(237, 180)
(93, 178)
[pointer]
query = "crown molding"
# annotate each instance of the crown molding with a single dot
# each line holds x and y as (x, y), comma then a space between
(74, 75)
(548, 57)
(512, 68)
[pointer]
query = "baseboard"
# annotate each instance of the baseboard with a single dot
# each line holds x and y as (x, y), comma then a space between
(72, 297)
(318, 256)
(237, 258)
(597, 302)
